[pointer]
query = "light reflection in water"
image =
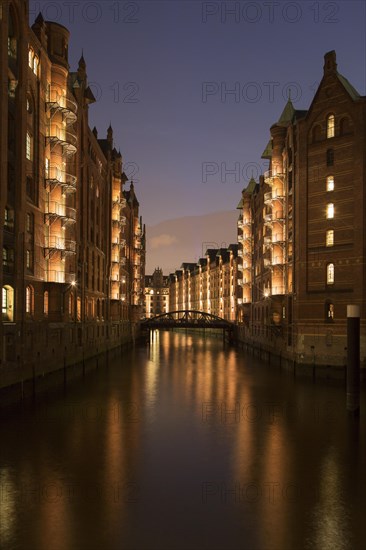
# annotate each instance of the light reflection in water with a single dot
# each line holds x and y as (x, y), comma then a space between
(183, 445)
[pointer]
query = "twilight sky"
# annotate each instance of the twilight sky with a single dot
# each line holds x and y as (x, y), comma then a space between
(162, 72)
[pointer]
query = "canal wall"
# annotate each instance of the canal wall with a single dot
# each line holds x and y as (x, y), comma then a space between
(298, 364)
(60, 354)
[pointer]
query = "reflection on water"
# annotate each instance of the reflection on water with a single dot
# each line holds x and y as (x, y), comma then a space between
(184, 445)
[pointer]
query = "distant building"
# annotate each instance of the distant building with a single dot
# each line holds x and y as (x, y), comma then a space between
(302, 227)
(156, 294)
(73, 242)
(209, 285)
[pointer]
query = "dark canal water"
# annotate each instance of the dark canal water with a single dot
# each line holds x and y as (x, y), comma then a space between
(184, 446)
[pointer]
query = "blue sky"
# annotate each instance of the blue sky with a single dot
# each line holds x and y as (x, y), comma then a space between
(151, 62)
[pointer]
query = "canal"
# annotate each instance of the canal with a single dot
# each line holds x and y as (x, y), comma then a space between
(184, 445)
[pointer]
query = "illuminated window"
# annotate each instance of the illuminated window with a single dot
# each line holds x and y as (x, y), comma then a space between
(329, 311)
(29, 222)
(30, 57)
(29, 259)
(330, 126)
(28, 149)
(329, 238)
(47, 167)
(71, 304)
(330, 183)
(29, 300)
(330, 211)
(7, 303)
(4, 301)
(45, 303)
(35, 64)
(330, 274)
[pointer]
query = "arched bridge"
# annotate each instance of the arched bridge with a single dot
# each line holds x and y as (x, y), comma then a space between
(186, 319)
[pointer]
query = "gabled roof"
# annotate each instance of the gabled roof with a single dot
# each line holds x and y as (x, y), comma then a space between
(348, 86)
(287, 115)
(188, 265)
(267, 153)
(224, 253)
(211, 253)
(234, 247)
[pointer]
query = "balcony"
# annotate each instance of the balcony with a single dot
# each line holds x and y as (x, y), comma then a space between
(270, 176)
(268, 198)
(55, 176)
(240, 253)
(57, 135)
(277, 195)
(55, 244)
(278, 290)
(115, 277)
(267, 219)
(278, 216)
(278, 238)
(60, 277)
(55, 210)
(58, 101)
(240, 223)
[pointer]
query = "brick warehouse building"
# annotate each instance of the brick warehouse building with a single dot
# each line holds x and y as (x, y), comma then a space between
(73, 241)
(208, 285)
(156, 294)
(302, 228)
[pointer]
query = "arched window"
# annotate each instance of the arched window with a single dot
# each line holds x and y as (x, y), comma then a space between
(78, 309)
(45, 303)
(329, 311)
(7, 303)
(330, 183)
(330, 211)
(330, 274)
(329, 237)
(330, 126)
(8, 259)
(71, 304)
(12, 40)
(29, 146)
(29, 300)
(330, 157)
(345, 126)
